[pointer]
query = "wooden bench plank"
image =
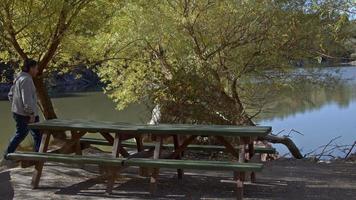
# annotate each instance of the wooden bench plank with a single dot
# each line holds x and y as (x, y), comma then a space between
(142, 162)
(82, 125)
(179, 129)
(70, 159)
(209, 130)
(194, 147)
(196, 164)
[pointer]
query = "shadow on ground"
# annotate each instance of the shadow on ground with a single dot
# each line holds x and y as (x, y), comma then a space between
(207, 187)
(6, 190)
(289, 180)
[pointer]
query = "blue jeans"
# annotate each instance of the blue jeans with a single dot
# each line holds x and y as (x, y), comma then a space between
(21, 133)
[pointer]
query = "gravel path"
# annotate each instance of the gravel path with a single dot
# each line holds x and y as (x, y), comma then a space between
(281, 179)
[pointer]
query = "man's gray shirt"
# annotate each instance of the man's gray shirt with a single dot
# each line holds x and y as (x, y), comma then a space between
(23, 96)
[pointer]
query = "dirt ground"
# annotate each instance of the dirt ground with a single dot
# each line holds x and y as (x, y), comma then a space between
(281, 179)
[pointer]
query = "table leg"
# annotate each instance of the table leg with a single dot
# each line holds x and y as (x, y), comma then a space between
(182, 147)
(113, 171)
(39, 166)
(155, 172)
(239, 189)
(77, 146)
(251, 151)
(180, 172)
(139, 143)
(110, 139)
(229, 147)
(241, 175)
(76, 138)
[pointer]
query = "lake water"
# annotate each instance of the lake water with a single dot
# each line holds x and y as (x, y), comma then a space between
(320, 114)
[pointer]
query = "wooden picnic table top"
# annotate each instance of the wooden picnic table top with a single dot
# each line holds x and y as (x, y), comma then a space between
(169, 129)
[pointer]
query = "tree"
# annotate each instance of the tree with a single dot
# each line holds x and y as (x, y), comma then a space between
(202, 61)
(204, 55)
(52, 31)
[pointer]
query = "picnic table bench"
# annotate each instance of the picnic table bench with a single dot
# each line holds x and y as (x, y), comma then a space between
(123, 132)
(192, 147)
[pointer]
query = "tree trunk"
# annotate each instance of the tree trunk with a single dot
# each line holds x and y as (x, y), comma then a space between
(46, 103)
(293, 149)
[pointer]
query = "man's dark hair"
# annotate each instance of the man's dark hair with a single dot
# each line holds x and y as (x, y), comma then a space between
(28, 64)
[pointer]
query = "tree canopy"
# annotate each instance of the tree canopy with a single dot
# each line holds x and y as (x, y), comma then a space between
(54, 32)
(202, 61)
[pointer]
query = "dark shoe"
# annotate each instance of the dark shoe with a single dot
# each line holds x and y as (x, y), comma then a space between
(5, 157)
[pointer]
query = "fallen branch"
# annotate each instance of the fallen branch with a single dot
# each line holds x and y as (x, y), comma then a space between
(326, 146)
(286, 141)
(348, 153)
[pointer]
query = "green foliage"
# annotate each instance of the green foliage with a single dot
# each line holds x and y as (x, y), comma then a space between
(38, 24)
(202, 60)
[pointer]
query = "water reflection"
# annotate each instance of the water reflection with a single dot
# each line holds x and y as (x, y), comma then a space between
(319, 112)
(306, 97)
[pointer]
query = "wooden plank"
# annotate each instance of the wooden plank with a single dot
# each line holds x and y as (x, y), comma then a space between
(144, 162)
(169, 129)
(195, 164)
(206, 130)
(68, 159)
(82, 125)
(193, 147)
(39, 166)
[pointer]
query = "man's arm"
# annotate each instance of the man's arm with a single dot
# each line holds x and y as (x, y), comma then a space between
(11, 93)
(27, 96)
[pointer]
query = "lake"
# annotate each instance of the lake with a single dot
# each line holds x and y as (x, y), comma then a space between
(318, 114)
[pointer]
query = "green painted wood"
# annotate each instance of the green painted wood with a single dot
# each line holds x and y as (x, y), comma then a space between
(70, 159)
(82, 125)
(196, 164)
(141, 162)
(94, 141)
(165, 129)
(210, 130)
(171, 146)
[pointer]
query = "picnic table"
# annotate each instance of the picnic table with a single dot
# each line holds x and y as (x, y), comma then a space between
(116, 133)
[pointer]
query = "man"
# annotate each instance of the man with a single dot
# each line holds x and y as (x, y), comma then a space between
(23, 100)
